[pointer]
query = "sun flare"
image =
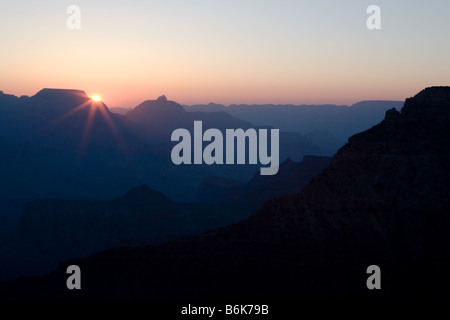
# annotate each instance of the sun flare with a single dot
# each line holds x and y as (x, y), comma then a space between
(96, 98)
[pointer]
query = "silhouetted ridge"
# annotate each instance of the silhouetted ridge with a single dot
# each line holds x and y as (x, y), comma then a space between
(332, 125)
(291, 178)
(155, 109)
(60, 93)
(162, 99)
(56, 100)
(144, 194)
(387, 190)
(433, 102)
(7, 98)
(383, 200)
(422, 123)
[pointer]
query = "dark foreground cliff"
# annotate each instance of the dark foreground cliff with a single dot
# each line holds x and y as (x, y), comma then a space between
(384, 200)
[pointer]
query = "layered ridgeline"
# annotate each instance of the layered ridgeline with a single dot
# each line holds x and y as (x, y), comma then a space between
(291, 178)
(165, 116)
(328, 126)
(386, 191)
(54, 230)
(61, 144)
(331, 122)
(383, 200)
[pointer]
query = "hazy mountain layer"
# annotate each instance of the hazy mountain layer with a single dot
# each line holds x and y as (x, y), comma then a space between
(339, 121)
(383, 200)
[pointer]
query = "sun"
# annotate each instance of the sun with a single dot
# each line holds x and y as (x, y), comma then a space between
(91, 107)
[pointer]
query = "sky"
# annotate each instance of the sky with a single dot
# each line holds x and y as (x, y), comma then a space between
(226, 51)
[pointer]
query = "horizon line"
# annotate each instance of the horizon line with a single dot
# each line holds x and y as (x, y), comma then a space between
(115, 106)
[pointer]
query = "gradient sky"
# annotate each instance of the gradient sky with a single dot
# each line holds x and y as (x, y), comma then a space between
(226, 51)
